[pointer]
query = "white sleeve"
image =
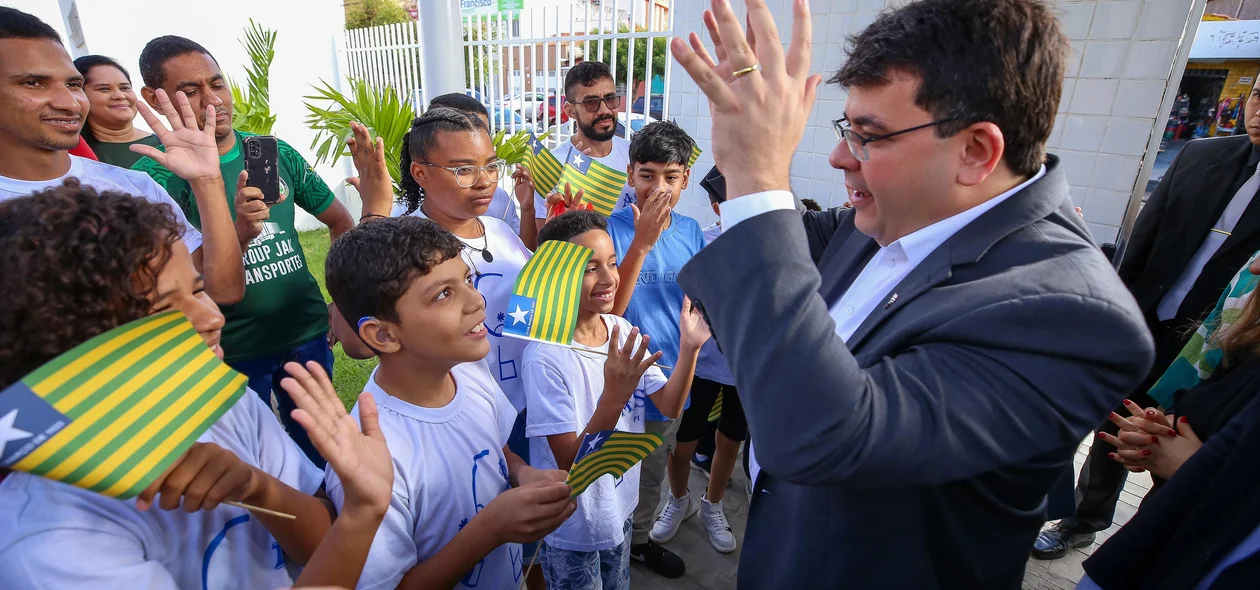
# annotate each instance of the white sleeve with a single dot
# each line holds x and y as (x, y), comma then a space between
(737, 210)
(155, 193)
(511, 216)
(277, 454)
(548, 401)
(81, 557)
(653, 380)
(393, 551)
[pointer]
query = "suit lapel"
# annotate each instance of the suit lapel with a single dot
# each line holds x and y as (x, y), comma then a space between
(1214, 185)
(1249, 223)
(934, 269)
(841, 265)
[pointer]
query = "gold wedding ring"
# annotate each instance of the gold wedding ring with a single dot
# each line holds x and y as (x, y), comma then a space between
(747, 70)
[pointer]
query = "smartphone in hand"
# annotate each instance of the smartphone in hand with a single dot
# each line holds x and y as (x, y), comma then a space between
(261, 162)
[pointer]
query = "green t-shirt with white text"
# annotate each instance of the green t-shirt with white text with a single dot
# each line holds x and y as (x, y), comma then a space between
(283, 306)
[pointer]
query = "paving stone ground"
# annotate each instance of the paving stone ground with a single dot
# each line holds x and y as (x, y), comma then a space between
(709, 570)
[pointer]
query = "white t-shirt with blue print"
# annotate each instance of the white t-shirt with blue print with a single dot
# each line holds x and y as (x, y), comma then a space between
(448, 466)
(562, 387)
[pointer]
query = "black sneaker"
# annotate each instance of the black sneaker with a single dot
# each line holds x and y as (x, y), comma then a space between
(1056, 541)
(701, 466)
(658, 559)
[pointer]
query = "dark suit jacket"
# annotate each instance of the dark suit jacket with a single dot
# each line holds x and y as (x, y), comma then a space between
(920, 454)
(1184, 529)
(1177, 218)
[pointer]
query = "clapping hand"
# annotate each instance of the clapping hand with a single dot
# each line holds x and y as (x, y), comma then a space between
(694, 331)
(359, 456)
(1147, 441)
(190, 152)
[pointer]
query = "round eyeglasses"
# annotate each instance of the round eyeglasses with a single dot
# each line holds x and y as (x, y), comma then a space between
(466, 176)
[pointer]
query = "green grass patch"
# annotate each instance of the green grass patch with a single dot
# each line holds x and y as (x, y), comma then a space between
(349, 375)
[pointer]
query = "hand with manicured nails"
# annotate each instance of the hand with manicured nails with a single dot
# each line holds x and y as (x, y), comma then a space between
(530, 512)
(356, 451)
(206, 476)
(558, 204)
(188, 151)
(1147, 441)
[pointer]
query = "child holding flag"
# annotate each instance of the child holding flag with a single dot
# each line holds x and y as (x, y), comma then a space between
(575, 391)
(74, 265)
(653, 243)
(462, 501)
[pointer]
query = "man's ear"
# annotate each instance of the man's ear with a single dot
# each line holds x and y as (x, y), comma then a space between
(378, 335)
(150, 97)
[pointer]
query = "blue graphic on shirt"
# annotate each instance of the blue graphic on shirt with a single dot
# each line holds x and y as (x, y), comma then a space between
(214, 544)
(474, 576)
(638, 400)
(506, 368)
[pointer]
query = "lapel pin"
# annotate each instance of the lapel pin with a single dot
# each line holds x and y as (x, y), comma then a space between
(891, 300)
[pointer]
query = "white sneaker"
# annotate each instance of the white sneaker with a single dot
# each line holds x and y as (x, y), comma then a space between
(676, 510)
(714, 519)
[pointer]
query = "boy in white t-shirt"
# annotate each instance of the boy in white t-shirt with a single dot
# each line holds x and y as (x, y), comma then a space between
(454, 520)
(74, 264)
(575, 391)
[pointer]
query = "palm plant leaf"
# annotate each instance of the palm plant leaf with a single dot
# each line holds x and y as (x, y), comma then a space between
(251, 110)
(330, 112)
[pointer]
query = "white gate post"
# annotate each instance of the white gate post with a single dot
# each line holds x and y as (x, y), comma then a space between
(442, 33)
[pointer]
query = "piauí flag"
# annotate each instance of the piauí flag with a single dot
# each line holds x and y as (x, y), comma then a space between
(609, 452)
(602, 183)
(695, 155)
(716, 412)
(113, 413)
(544, 301)
(544, 167)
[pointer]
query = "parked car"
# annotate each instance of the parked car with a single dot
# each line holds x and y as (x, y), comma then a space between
(525, 103)
(657, 106)
(635, 121)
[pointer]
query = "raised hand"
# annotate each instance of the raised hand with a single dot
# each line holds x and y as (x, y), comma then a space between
(374, 183)
(650, 222)
(528, 513)
(693, 330)
(758, 115)
(625, 365)
(569, 201)
(523, 187)
(359, 456)
(190, 152)
(206, 476)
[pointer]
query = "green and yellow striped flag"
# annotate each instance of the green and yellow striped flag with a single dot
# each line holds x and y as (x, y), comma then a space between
(544, 302)
(544, 168)
(695, 155)
(113, 413)
(602, 184)
(716, 412)
(609, 452)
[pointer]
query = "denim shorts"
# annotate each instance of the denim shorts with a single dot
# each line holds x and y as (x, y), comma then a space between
(588, 570)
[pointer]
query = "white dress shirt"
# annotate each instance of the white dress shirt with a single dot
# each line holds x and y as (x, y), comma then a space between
(890, 265)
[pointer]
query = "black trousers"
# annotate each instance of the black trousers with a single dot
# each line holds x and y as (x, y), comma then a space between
(1101, 481)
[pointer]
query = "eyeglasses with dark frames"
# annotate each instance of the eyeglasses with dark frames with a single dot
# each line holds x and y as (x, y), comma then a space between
(592, 104)
(857, 142)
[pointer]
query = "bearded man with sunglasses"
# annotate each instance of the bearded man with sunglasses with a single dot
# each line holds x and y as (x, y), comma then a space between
(591, 101)
(917, 371)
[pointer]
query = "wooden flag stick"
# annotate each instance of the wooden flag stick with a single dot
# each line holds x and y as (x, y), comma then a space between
(525, 578)
(573, 348)
(261, 510)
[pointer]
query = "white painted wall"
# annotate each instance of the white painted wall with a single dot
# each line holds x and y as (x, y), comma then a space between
(308, 31)
(1123, 52)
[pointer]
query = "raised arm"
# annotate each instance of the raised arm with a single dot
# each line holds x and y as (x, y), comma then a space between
(649, 223)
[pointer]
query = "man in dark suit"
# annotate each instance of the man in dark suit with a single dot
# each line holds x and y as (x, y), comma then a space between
(920, 368)
(1197, 229)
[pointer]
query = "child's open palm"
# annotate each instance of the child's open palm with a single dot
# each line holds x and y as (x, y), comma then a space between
(625, 365)
(360, 457)
(694, 331)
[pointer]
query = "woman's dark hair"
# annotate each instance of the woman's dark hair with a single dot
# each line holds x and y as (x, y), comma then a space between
(1000, 61)
(566, 226)
(85, 64)
(371, 266)
(75, 264)
(460, 102)
(421, 139)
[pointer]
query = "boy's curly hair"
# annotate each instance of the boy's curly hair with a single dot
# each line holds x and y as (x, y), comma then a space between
(74, 264)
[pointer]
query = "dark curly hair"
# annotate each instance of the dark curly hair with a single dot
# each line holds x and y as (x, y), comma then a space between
(569, 225)
(75, 264)
(371, 266)
(421, 139)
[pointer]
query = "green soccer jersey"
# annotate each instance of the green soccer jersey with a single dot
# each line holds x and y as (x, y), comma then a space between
(283, 306)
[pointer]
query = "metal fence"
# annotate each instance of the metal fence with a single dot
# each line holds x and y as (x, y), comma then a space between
(515, 61)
